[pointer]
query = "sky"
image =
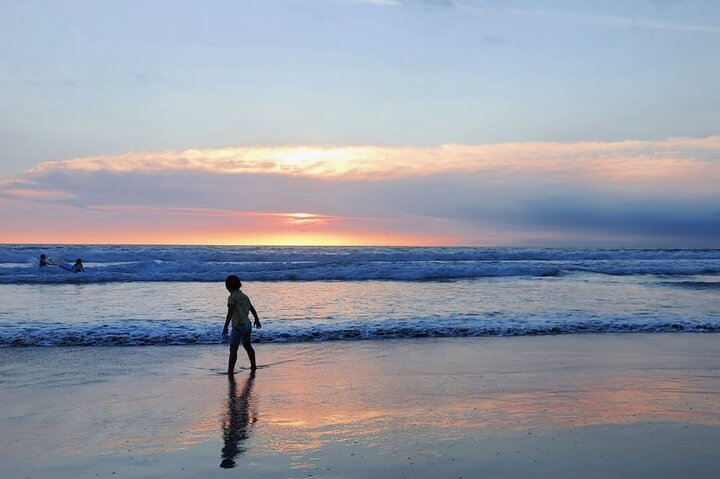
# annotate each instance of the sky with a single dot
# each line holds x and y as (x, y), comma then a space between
(361, 122)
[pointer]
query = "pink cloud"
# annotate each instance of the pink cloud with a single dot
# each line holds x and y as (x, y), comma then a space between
(31, 194)
(674, 159)
(153, 225)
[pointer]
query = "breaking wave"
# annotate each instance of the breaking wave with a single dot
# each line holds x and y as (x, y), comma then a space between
(141, 332)
(19, 264)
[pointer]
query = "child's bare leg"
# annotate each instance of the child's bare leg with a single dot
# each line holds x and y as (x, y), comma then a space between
(250, 352)
(232, 359)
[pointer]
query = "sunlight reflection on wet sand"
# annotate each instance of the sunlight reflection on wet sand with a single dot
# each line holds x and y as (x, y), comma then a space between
(426, 399)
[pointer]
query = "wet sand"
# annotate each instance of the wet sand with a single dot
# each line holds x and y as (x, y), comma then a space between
(636, 405)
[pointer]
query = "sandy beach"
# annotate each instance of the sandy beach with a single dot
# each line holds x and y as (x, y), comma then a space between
(638, 405)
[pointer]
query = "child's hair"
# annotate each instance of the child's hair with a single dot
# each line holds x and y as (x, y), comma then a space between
(232, 283)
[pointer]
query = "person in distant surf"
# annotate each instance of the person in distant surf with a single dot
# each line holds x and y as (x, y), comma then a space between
(43, 261)
(239, 306)
(77, 267)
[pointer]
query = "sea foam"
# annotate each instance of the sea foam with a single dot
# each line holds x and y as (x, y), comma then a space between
(18, 263)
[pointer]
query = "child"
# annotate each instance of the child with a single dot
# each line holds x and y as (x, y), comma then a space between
(239, 306)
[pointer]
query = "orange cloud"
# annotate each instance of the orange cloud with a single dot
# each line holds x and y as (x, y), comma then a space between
(676, 159)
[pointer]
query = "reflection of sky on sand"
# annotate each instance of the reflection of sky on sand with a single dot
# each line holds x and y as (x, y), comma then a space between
(298, 429)
(379, 396)
(312, 399)
(383, 392)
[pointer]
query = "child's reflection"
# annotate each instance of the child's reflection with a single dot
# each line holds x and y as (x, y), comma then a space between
(237, 420)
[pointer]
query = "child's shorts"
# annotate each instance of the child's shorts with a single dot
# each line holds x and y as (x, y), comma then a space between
(239, 332)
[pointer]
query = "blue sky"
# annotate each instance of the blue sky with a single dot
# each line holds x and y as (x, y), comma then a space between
(103, 79)
(85, 78)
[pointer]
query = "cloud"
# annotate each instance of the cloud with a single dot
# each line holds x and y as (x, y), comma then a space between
(693, 222)
(629, 193)
(38, 194)
(678, 159)
(572, 16)
(617, 21)
(380, 2)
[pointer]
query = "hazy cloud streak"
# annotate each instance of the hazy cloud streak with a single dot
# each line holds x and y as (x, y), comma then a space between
(570, 16)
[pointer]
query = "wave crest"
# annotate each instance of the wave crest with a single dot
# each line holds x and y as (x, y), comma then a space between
(144, 333)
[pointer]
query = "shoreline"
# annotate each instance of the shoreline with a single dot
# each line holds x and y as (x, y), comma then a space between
(637, 405)
(677, 330)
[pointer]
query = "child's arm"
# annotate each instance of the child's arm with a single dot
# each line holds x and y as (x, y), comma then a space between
(231, 307)
(255, 315)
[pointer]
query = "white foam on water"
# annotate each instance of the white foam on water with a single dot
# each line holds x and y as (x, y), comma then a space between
(139, 333)
(18, 264)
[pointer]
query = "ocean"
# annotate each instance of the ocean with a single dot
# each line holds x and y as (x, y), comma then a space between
(175, 295)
